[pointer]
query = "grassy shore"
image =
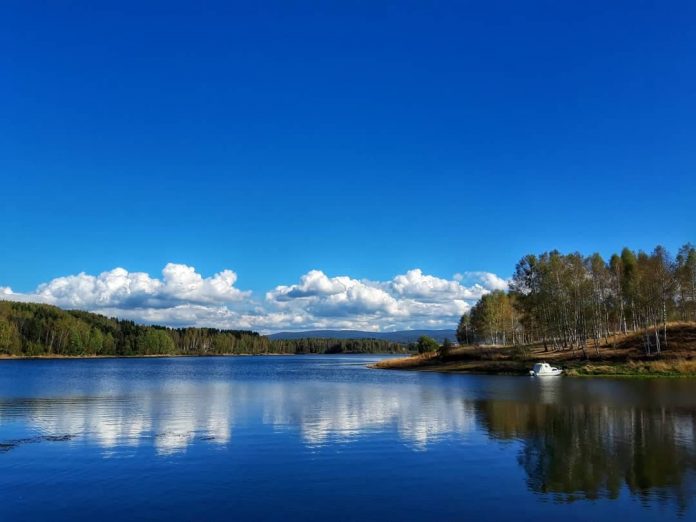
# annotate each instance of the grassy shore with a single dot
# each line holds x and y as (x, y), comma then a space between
(619, 356)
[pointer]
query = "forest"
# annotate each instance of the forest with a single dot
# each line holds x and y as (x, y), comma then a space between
(571, 301)
(30, 329)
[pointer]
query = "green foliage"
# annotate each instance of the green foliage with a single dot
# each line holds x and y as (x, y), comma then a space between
(685, 274)
(570, 301)
(10, 342)
(35, 329)
(426, 344)
(493, 319)
(464, 332)
(317, 345)
(446, 349)
(156, 342)
(96, 340)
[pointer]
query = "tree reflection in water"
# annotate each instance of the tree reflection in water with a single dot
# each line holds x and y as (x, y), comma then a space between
(579, 439)
(589, 447)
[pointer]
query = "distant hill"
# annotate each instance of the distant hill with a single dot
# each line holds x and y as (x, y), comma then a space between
(33, 329)
(404, 336)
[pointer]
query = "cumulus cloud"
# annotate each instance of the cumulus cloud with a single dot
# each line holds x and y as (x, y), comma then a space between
(417, 285)
(118, 288)
(486, 280)
(335, 296)
(184, 297)
(408, 300)
(314, 283)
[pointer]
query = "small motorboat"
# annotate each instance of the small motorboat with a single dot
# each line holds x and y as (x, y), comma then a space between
(544, 370)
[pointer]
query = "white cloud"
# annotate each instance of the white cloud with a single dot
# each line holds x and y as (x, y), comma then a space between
(487, 280)
(417, 285)
(183, 297)
(333, 297)
(313, 283)
(119, 288)
(413, 299)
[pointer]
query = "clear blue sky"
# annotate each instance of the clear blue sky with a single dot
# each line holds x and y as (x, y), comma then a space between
(364, 138)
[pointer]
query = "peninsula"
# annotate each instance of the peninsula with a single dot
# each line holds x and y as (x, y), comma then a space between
(620, 355)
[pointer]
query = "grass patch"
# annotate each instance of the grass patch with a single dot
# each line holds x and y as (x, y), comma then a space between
(659, 368)
(404, 363)
(620, 356)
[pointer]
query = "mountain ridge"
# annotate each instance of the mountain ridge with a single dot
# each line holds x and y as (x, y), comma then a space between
(401, 336)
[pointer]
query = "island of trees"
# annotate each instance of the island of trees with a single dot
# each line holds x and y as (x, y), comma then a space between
(30, 329)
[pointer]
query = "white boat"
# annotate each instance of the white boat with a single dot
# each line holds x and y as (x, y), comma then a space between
(544, 370)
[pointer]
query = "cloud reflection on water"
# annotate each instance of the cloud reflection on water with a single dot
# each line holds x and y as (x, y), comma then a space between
(576, 440)
(185, 411)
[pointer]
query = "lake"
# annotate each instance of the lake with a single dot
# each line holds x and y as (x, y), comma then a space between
(323, 437)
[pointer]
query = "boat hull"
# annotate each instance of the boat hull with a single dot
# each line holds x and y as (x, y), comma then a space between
(552, 373)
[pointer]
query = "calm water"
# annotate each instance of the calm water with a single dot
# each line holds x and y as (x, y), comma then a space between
(319, 437)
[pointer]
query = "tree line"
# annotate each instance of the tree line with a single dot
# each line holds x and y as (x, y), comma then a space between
(571, 301)
(335, 346)
(30, 329)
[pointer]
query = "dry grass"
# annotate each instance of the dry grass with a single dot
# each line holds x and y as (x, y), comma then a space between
(621, 355)
(658, 368)
(405, 363)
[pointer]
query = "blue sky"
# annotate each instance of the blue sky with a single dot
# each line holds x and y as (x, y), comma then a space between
(360, 139)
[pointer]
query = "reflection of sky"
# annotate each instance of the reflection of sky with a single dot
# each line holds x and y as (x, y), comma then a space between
(171, 404)
(178, 413)
(171, 420)
(309, 418)
(345, 411)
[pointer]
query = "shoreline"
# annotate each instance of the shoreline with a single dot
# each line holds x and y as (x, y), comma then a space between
(619, 356)
(663, 368)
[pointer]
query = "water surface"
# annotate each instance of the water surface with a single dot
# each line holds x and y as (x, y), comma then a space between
(319, 437)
